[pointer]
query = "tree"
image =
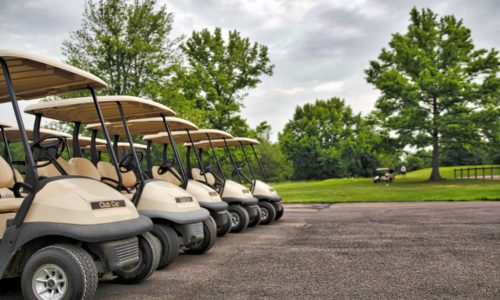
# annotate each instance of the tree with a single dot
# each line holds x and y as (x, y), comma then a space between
(326, 139)
(436, 88)
(126, 44)
(218, 75)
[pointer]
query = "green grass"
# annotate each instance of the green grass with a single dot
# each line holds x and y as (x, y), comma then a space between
(415, 187)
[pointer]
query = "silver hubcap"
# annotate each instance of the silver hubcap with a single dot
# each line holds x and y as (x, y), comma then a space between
(49, 282)
(235, 218)
(264, 213)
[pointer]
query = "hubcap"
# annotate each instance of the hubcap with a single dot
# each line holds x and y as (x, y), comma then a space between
(49, 282)
(235, 218)
(264, 213)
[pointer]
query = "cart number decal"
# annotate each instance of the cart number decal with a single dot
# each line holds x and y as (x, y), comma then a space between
(271, 190)
(213, 194)
(183, 199)
(108, 204)
(245, 191)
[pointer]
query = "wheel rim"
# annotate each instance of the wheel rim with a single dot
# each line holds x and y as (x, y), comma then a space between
(49, 282)
(264, 213)
(235, 219)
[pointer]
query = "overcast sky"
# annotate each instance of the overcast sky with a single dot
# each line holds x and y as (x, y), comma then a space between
(320, 48)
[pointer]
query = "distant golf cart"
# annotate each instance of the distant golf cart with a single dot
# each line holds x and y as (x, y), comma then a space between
(383, 175)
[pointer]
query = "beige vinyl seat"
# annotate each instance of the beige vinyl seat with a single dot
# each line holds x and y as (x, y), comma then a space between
(8, 205)
(107, 171)
(198, 176)
(167, 176)
(83, 167)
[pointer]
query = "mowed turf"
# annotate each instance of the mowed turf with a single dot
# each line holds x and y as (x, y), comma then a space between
(416, 187)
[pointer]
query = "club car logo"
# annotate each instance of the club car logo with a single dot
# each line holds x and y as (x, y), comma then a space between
(212, 194)
(245, 191)
(271, 190)
(183, 199)
(107, 204)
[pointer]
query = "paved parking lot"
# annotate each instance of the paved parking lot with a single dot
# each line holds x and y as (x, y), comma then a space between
(382, 250)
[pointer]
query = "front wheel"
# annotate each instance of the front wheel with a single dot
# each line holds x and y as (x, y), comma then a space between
(209, 236)
(239, 218)
(169, 244)
(267, 212)
(60, 271)
(279, 212)
(256, 219)
(149, 258)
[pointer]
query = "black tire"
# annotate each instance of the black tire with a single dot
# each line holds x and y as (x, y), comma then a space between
(256, 219)
(268, 212)
(150, 253)
(226, 228)
(279, 213)
(209, 236)
(59, 261)
(239, 218)
(169, 244)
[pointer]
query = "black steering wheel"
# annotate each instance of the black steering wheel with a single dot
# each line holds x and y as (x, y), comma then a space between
(208, 168)
(237, 170)
(166, 166)
(127, 163)
(48, 149)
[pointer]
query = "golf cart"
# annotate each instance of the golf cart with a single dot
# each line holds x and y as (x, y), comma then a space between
(243, 207)
(68, 230)
(178, 219)
(269, 200)
(206, 195)
(383, 175)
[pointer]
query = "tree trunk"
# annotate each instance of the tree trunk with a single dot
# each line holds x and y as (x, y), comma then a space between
(435, 143)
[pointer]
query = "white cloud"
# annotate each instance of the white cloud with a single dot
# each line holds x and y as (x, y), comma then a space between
(332, 87)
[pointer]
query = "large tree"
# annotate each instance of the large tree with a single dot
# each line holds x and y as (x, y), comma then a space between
(125, 43)
(218, 75)
(326, 139)
(437, 89)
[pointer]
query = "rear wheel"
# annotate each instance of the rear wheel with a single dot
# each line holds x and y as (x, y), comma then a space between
(279, 213)
(59, 271)
(169, 244)
(256, 219)
(149, 257)
(267, 212)
(209, 236)
(224, 229)
(239, 218)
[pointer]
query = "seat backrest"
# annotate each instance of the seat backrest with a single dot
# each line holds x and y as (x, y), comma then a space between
(167, 176)
(83, 167)
(107, 170)
(51, 171)
(196, 173)
(6, 175)
(19, 178)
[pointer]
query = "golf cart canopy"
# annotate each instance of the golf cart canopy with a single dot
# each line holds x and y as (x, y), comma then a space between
(183, 137)
(35, 76)
(13, 134)
(145, 126)
(83, 109)
(230, 142)
(122, 146)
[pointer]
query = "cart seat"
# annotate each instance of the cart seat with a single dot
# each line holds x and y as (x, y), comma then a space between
(19, 178)
(107, 170)
(51, 171)
(167, 176)
(6, 178)
(196, 173)
(83, 167)
(8, 205)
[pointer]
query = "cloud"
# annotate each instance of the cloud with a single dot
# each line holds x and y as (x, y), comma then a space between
(332, 87)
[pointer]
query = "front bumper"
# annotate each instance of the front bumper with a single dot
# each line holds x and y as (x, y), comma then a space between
(185, 217)
(270, 198)
(221, 218)
(190, 233)
(116, 255)
(214, 206)
(252, 210)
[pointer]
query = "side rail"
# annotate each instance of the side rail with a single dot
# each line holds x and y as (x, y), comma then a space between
(492, 172)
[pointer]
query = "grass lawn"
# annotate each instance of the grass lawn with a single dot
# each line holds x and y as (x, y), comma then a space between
(415, 187)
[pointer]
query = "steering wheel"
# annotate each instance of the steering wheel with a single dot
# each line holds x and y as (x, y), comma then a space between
(47, 152)
(127, 163)
(237, 170)
(166, 166)
(209, 168)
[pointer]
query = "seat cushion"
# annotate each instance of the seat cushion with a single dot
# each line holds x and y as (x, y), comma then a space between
(196, 173)
(168, 176)
(107, 170)
(10, 204)
(83, 167)
(6, 175)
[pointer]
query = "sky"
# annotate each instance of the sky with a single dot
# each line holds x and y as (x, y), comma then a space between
(320, 49)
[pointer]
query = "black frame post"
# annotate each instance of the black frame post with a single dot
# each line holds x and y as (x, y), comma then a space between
(258, 162)
(176, 153)
(232, 159)
(198, 158)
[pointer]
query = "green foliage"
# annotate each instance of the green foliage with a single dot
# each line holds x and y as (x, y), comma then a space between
(126, 44)
(326, 139)
(217, 77)
(436, 88)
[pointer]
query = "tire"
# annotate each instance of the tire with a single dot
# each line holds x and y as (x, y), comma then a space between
(239, 218)
(256, 220)
(169, 244)
(226, 228)
(209, 236)
(150, 253)
(56, 262)
(279, 213)
(268, 212)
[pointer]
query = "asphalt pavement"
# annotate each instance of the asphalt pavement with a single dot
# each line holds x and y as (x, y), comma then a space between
(432, 250)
